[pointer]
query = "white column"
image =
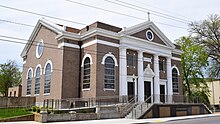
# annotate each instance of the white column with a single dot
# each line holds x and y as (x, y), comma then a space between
(123, 72)
(140, 77)
(156, 80)
(169, 80)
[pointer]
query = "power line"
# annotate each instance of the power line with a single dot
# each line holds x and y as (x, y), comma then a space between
(39, 14)
(153, 11)
(93, 52)
(138, 1)
(114, 12)
(145, 10)
(3, 20)
(94, 7)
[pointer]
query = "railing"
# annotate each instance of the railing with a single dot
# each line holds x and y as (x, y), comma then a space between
(72, 103)
(124, 110)
(142, 107)
(127, 105)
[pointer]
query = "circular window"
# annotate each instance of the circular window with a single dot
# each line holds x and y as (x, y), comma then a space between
(40, 48)
(149, 35)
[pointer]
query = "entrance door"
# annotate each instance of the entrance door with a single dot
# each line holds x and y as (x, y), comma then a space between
(147, 90)
(130, 90)
(162, 93)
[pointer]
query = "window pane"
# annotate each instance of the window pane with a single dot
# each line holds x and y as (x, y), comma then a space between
(86, 73)
(47, 80)
(175, 80)
(29, 80)
(109, 75)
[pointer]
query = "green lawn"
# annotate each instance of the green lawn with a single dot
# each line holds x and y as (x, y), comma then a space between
(12, 112)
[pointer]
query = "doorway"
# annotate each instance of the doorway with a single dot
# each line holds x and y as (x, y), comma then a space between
(162, 93)
(147, 91)
(130, 90)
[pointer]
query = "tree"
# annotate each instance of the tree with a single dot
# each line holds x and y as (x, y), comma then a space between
(193, 60)
(207, 33)
(9, 76)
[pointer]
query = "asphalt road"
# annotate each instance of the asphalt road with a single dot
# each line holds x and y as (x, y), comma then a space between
(205, 120)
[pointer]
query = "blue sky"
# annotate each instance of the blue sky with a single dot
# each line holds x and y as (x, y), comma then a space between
(190, 10)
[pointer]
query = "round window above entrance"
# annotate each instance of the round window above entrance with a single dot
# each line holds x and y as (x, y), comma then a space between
(39, 49)
(149, 35)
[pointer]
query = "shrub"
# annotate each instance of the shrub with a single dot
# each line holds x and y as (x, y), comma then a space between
(34, 108)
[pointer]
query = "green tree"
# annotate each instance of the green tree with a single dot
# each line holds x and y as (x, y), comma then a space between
(194, 60)
(9, 76)
(207, 33)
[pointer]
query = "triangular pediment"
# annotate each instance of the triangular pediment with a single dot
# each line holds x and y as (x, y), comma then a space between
(139, 31)
(41, 23)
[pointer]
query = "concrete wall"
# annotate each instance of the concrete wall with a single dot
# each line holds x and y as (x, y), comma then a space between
(17, 101)
(173, 110)
(44, 117)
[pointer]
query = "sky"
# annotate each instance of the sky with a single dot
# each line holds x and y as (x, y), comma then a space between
(121, 13)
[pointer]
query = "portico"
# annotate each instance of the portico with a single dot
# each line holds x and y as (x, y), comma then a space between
(148, 81)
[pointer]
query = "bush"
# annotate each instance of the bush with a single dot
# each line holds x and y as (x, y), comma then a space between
(34, 108)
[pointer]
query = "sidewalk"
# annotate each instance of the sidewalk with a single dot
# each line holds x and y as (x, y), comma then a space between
(121, 121)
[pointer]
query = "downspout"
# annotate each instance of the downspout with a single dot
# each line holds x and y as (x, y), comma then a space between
(80, 62)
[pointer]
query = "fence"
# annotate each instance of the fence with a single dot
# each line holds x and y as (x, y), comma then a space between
(12, 102)
(71, 103)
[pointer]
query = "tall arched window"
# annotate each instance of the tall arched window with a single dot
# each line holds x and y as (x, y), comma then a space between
(175, 80)
(47, 81)
(37, 80)
(109, 75)
(29, 80)
(86, 73)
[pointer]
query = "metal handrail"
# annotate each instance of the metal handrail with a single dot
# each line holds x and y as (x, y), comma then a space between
(129, 106)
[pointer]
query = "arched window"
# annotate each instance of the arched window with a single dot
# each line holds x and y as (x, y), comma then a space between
(109, 75)
(86, 73)
(29, 80)
(175, 80)
(37, 80)
(47, 81)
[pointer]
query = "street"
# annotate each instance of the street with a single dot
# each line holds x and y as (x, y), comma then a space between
(195, 119)
(205, 120)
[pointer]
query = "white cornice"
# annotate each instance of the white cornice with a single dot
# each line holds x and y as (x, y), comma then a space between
(177, 51)
(175, 58)
(63, 44)
(97, 41)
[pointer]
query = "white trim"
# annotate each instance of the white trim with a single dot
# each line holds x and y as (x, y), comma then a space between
(176, 69)
(146, 59)
(97, 41)
(109, 55)
(51, 65)
(28, 95)
(148, 37)
(106, 89)
(90, 57)
(153, 27)
(37, 54)
(32, 74)
(63, 44)
(175, 58)
(24, 62)
(46, 94)
(39, 65)
(177, 51)
(86, 89)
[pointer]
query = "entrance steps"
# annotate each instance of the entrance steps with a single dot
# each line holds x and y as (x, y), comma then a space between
(139, 110)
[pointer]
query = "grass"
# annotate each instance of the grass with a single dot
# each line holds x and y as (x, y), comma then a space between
(12, 112)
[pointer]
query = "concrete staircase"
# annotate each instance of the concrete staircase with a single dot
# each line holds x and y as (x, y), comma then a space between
(139, 110)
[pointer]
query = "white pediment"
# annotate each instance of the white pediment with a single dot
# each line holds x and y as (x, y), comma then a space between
(148, 25)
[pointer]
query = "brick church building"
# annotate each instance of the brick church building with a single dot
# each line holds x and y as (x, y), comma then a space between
(100, 60)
